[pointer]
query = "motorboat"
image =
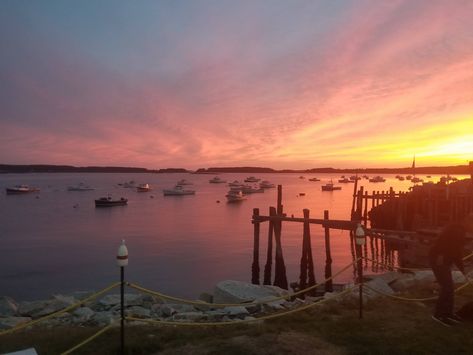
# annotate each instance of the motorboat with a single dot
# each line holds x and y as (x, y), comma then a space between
(345, 181)
(330, 187)
(377, 179)
(354, 178)
(416, 180)
(235, 195)
(217, 180)
(129, 184)
(80, 187)
(314, 179)
(265, 184)
(20, 189)
(408, 177)
(235, 183)
(366, 177)
(301, 177)
(178, 190)
(143, 188)
(252, 179)
(247, 189)
(109, 202)
(184, 182)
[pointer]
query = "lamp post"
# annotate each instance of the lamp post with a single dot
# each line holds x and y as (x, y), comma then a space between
(122, 261)
(360, 240)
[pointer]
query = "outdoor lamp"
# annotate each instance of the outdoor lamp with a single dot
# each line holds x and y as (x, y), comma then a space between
(360, 237)
(122, 256)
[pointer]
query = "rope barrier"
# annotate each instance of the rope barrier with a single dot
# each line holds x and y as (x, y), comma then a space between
(220, 305)
(64, 310)
(408, 268)
(243, 321)
(88, 340)
(414, 299)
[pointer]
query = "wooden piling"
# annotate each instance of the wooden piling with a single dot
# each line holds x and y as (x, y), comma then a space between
(269, 254)
(280, 278)
(255, 271)
(328, 256)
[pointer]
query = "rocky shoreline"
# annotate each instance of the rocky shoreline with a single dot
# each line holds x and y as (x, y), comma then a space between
(106, 309)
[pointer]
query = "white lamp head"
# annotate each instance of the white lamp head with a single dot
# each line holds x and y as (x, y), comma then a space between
(122, 255)
(360, 237)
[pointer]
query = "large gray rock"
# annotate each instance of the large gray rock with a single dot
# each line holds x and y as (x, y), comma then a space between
(82, 315)
(236, 311)
(52, 306)
(11, 322)
(68, 300)
(138, 312)
(28, 308)
(404, 283)
(424, 278)
(189, 316)
(379, 285)
(8, 307)
(230, 291)
(104, 318)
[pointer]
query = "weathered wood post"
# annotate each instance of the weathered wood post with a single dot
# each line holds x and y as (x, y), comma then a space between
(307, 276)
(280, 278)
(255, 266)
(328, 256)
(355, 196)
(269, 253)
(365, 212)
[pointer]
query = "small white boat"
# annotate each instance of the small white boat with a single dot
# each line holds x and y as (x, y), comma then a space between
(266, 184)
(143, 188)
(314, 179)
(416, 180)
(217, 180)
(377, 179)
(20, 189)
(330, 187)
(235, 195)
(80, 187)
(184, 182)
(252, 179)
(178, 190)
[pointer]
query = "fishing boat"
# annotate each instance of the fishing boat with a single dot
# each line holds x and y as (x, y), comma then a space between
(80, 187)
(345, 181)
(109, 202)
(416, 180)
(184, 182)
(20, 189)
(265, 184)
(377, 179)
(247, 189)
(330, 187)
(217, 180)
(178, 190)
(235, 183)
(235, 195)
(252, 179)
(143, 188)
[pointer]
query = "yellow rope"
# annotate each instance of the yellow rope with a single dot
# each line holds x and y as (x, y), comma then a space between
(67, 309)
(414, 299)
(101, 331)
(409, 268)
(218, 305)
(243, 321)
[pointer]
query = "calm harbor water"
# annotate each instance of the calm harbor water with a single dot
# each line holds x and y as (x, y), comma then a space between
(182, 245)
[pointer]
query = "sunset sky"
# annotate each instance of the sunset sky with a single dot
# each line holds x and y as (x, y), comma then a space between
(276, 83)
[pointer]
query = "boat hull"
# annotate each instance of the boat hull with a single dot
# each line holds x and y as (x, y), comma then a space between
(111, 203)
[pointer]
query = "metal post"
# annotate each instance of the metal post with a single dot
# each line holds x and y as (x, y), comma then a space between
(360, 278)
(360, 240)
(122, 261)
(122, 308)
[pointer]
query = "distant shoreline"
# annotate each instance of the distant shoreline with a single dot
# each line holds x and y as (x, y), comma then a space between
(15, 169)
